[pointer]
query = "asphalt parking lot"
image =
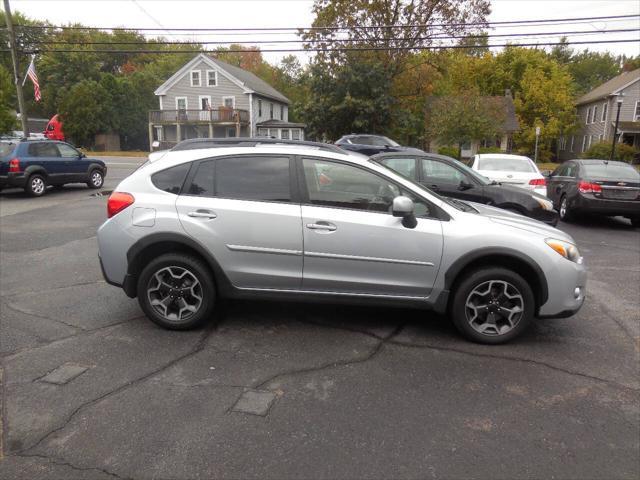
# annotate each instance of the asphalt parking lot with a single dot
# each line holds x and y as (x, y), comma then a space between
(91, 389)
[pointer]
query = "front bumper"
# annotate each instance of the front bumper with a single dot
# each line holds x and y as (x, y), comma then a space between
(550, 217)
(567, 286)
(13, 180)
(588, 203)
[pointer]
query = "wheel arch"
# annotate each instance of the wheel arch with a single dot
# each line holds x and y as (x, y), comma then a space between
(500, 257)
(147, 248)
(33, 169)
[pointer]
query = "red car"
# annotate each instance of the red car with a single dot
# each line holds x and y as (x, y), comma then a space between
(54, 129)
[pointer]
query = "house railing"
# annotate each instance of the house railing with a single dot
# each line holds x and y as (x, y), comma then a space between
(214, 115)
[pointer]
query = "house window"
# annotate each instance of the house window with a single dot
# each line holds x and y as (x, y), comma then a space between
(281, 112)
(600, 138)
(295, 134)
(263, 132)
(181, 103)
(285, 133)
(195, 78)
(229, 102)
(586, 121)
(584, 143)
(231, 132)
(571, 145)
(271, 112)
(212, 78)
(273, 132)
(589, 141)
(259, 108)
(636, 115)
(604, 112)
(594, 114)
(205, 102)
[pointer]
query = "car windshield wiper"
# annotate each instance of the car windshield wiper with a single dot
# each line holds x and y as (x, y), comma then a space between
(460, 205)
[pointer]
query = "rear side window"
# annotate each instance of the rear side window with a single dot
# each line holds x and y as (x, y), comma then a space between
(171, 179)
(44, 149)
(202, 183)
(6, 149)
(403, 166)
(253, 178)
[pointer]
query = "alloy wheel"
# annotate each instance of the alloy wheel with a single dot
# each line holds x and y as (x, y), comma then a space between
(37, 185)
(563, 208)
(175, 293)
(494, 307)
(96, 179)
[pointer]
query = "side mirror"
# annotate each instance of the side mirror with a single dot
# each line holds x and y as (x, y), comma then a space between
(83, 155)
(155, 144)
(464, 185)
(403, 207)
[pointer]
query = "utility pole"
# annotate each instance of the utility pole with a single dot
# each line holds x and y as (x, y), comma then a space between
(16, 68)
(535, 153)
(615, 130)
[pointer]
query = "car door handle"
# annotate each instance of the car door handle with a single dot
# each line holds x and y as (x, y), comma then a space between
(326, 226)
(202, 214)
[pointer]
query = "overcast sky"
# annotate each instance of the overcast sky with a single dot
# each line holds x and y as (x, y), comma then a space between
(297, 13)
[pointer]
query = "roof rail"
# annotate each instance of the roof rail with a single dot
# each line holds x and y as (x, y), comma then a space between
(198, 143)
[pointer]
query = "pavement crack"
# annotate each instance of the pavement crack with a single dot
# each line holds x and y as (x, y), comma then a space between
(199, 345)
(340, 327)
(62, 462)
(53, 289)
(610, 383)
(27, 312)
(373, 352)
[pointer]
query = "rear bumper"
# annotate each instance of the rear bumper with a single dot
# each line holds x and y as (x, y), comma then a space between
(601, 206)
(13, 180)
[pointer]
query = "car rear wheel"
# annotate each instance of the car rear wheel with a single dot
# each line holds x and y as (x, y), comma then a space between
(176, 291)
(96, 179)
(36, 185)
(564, 212)
(492, 305)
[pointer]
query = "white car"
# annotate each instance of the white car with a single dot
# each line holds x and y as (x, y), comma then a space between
(511, 170)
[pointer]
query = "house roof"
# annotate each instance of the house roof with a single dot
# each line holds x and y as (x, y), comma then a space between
(610, 87)
(280, 124)
(251, 81)
(246, 80)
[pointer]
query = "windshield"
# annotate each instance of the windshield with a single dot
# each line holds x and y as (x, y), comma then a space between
(611, 171)
(378, 141)
(514, 164)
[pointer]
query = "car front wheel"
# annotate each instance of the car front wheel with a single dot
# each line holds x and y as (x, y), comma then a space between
(564, 212)
(96, 179)
(176, 291)
(36, 185)
(492, 305)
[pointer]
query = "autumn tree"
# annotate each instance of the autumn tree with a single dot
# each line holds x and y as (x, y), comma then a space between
(7, 115)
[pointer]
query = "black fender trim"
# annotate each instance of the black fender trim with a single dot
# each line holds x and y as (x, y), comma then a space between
(223, 283)
(462, 262)
(31, 169)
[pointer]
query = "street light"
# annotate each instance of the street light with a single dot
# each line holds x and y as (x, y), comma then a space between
(615, 130)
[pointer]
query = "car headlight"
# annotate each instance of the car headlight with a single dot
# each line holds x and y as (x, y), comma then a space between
(544, 203)
(566, 249)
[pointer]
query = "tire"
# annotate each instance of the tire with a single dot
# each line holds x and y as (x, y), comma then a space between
(199, 291)
(492, 325)
(563, 211)
(36, 185)
(96, 179)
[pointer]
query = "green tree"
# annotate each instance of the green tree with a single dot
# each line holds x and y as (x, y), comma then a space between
(84, 108)
(602, 150)
(7, 113)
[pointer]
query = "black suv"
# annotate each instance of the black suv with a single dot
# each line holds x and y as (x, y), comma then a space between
(596, 186)
(371, 144)
(35, 164)
(451, 178)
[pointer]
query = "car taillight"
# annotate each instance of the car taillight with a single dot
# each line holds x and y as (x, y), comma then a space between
(117, 202)
(14, 165)
(588, 187)
(538, 182)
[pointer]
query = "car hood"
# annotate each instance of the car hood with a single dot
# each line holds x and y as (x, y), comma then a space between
(515, 220)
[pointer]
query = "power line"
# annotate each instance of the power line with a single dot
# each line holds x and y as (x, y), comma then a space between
(338, 49)
(337, 40)
(361, 27)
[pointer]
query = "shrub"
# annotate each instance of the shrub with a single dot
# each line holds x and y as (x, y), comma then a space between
(624, 152)
(490, 150)
(452, 152)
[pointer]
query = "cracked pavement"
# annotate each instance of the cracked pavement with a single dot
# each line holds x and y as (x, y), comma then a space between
(348, 392)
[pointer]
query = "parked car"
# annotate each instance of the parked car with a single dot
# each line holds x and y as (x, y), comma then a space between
(370, 144)
(596, 186)
(451, 178)
(515, 170)
(35, 164)
(193, 226)
(53, 130)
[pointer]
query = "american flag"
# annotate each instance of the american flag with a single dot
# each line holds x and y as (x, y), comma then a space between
(33, 76)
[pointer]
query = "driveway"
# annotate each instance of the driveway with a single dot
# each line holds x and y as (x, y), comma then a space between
(91, 389)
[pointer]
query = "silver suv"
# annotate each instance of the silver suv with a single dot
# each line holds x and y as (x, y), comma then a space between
(303, 222)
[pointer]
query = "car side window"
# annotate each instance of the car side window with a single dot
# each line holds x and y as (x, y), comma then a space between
(262, 178)
(43, 149)
(570, 170)
(559, 172)
(171, 179)
(66, 151)
(435, 170)
(202, 182)
(332, 184)
(403, 166)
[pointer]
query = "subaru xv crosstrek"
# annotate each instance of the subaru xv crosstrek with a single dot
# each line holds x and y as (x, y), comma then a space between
(301, 222)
